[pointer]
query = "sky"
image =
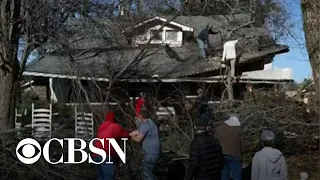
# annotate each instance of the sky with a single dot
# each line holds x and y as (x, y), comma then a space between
(297, 58)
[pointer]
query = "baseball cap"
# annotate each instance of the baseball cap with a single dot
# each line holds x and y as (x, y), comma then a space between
(267, 135)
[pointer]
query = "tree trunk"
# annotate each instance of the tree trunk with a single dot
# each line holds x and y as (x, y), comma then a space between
(310, 12)
(10, 31)
(7, 100)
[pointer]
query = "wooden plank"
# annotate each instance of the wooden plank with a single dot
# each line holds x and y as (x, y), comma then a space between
(41, 110)
(80, 114)
(42, 120)
(83, 124)
(84, 119)
(42, 115)
(41, 125)
(84, 129)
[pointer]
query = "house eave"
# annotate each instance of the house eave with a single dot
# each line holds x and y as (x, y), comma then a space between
(216, 79)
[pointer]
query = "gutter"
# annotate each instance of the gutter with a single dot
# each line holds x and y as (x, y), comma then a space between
(154, 80)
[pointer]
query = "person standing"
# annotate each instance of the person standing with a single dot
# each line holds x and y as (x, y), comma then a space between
(230, 55)
(231, 139)
(202, 96)
(148, 135)
(108, 129)
(203, 40)
(140, 103)
(206, 158)
(269, 163)
(202, 106)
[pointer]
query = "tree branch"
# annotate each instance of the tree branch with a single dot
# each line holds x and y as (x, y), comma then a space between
(241, 26)
(140, 56)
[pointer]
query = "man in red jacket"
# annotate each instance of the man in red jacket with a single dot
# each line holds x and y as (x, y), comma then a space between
(108, 129)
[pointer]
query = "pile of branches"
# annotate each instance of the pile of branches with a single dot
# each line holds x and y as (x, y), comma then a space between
(296, 130)
(295, 124)
(12, 168)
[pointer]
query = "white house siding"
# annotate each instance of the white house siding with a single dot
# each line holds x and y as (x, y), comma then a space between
(274, 74)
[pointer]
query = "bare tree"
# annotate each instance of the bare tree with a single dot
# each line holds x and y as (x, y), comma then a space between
(256, 11)
(37, 21)
(310, 10)
(34, 22)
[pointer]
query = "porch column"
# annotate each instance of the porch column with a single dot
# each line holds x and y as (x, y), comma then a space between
(53, 97)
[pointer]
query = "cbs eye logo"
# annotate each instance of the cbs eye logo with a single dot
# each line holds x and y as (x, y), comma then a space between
(27, 154)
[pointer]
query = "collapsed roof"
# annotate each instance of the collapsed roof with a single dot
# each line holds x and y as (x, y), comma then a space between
(101, 50)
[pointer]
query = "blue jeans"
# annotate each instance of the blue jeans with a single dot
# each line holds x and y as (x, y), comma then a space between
(233, 165)
(149, 163)
(202, 46)
(105, 171)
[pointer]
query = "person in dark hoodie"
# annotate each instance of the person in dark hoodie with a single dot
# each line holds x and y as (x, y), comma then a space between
(231, 139)
(269, 163)
(108, 129)
(202, 106)
(206, 158)
(203, 40)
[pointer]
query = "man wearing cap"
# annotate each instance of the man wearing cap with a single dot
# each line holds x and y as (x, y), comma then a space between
(231, 139)
(206, 158)
(269, 163)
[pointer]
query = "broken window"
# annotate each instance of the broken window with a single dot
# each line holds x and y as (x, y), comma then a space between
(171, 35)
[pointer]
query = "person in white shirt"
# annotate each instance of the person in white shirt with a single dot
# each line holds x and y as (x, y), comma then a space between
(229, 54)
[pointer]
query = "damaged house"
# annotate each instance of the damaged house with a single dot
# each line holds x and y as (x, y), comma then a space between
(170, 65)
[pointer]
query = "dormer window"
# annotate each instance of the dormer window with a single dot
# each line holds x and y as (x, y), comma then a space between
(171, 34)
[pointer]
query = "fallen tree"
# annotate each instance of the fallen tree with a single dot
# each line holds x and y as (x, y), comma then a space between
(296, 129)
